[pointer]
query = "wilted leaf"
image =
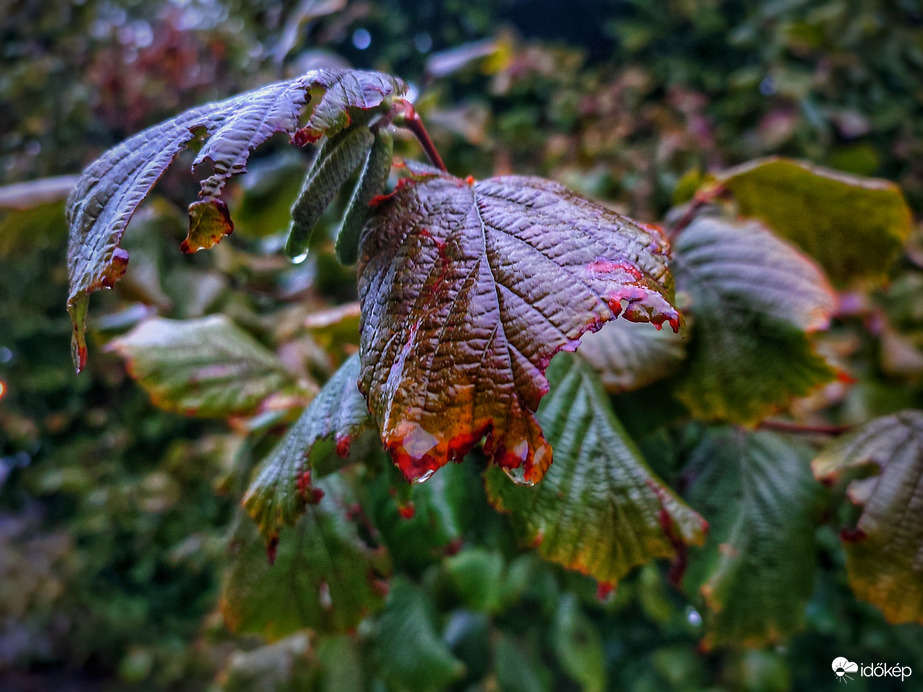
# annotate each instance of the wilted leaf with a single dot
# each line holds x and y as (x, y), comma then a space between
(756, 572)
(884, 552)
(467, 291)
(324, 576)
(754, 299)
(110, 189)
(205, 367)
(371, 183)
(599, 509)
(335, 162)
(627, 355)
(334, 428)
(411, 654)
(853, 226)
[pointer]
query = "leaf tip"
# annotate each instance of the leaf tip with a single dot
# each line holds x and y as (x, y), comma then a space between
(209, 222)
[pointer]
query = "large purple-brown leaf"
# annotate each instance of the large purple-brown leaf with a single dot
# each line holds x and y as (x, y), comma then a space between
(468, 289)
(110, 189)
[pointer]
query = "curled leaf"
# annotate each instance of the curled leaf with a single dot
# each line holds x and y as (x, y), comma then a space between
(468, 289)
(372, 181)
(111, 188)
(335, 162)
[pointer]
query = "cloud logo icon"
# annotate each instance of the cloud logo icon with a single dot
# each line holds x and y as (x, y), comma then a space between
(842, 666)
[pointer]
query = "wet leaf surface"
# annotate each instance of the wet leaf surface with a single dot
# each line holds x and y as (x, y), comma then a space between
(853, 226)
(111, 188)
(884, 551)
(599, 509)
(206, 367)
(468, 289)
(756, 571)
(753, 302)
(334, 429)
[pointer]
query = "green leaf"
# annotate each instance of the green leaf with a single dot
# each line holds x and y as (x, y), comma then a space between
(372, 181)
(754, 299)
(756, 571)
(477, 575)
(333, 430)
(853, 226)
(411, 654)
(110, 189)
(420, 524)
(207, 367)
(599, 509)
(884, 552)
(627, 355)
(320, 575)
(468, 289)
(518, 667)
(578, 646)
(335, 162)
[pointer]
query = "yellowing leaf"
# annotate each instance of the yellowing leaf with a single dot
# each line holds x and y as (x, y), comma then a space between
(884, 552)
(853, 226)
(467, 291)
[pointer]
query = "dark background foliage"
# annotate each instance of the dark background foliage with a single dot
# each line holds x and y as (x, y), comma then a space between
(114, 514)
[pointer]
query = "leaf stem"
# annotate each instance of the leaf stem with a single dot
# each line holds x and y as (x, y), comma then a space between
(799, 428)
(407, 117)
(703, 197)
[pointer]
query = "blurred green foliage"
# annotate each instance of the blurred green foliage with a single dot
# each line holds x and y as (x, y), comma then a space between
(115, 516)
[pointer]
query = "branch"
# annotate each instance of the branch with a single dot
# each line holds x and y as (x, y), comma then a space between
(407, 117)
(798, 428)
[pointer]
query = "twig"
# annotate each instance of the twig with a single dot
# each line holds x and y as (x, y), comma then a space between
(802, 429)
(406, 116)
(702, 198)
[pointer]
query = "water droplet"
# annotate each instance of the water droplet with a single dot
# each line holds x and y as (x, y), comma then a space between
(423, 42)
(362, 39)
(425, 477)
(518, 475)
(693, 617)
(298, 259)
(6, 355)
(417, 442)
